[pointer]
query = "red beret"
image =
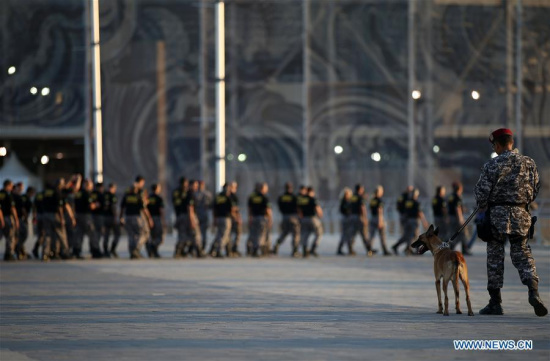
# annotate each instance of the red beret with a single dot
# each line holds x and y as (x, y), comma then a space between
(497, 133)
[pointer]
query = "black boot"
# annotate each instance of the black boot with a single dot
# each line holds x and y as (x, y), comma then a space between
(305, 252)
(275, 250)
(534, 299)
(494, 307)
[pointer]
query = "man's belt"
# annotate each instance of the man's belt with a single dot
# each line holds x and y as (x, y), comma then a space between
(510, 204)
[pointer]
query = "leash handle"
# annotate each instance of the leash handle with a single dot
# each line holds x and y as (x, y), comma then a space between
(474, 212)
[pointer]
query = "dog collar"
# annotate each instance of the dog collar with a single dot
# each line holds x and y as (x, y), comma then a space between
(444, 245)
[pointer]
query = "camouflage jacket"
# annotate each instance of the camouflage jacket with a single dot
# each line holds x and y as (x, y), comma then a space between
(510, 178)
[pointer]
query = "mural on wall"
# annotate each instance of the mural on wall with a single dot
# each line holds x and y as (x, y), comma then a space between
(358, 87)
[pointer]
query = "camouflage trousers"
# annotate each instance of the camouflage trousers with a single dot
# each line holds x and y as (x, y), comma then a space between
(443, 224)
(54, 235)
(223, 228)
(462, 237)
(373, 229)
(257, 236)
(9, 234)
(357, 225)
(156, 236)
(309, 225)
(346, 224)
(522, 259)
(236, 230)
(137, 233)
(290, 225)
(188, 236)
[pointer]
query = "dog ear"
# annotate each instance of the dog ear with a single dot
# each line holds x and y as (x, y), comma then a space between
(430, 230)
(436, 231)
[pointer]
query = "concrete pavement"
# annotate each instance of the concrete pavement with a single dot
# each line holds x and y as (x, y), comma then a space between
(329, 308)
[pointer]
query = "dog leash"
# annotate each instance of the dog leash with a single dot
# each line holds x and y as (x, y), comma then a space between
(450, 241)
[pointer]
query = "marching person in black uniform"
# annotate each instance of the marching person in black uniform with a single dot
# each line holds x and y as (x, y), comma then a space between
(456, 217)
(111, 222)
(186, 221)
(310, 213)
(259, 220)
(345, 212)
(98, 214)
(23, 215)
(69, 192)
(155, 205)
(359, 221)
(401, 206)
(55, 244)
(377, 223)
(439, 208)
(85, 226)
(223, 211)
(413, 213)
(9, 222)
(291, 223)
(27, 213)
(236, 222)
(132, 215)
(38, 221)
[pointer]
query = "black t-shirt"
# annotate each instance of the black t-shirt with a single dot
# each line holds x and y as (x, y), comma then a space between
(154, 204)
(39, 202)
(82, 202)
(258, 204)
(27, 203)
(6, 202)
(100, 198)
(308, 205)
(454, 202)
(223, 205)
(18, 201)
(287, 203)
(132, 203)
(412, 208)
(53, 200)
(357, 203)
(182, 200)
(345, 206)
(401, 202)
(439, 206)
(375, 204)
(110, 204)
(235, 199)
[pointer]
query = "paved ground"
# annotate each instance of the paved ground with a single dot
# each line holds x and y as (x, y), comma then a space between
(333, 308)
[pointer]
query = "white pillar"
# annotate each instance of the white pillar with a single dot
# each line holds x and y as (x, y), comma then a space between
(305, 91)
(96, 93)
(411, 106)
(220, 94)
(519, 77)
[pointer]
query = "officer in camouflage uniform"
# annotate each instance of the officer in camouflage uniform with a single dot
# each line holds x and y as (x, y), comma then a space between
(291, 223)
(508, 183)
(38, 220)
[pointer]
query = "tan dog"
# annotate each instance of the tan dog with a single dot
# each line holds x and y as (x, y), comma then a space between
(449, 265)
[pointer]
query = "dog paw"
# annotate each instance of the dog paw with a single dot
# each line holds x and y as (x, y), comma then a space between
(470, 313)
(458, 312)
(439, 311)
